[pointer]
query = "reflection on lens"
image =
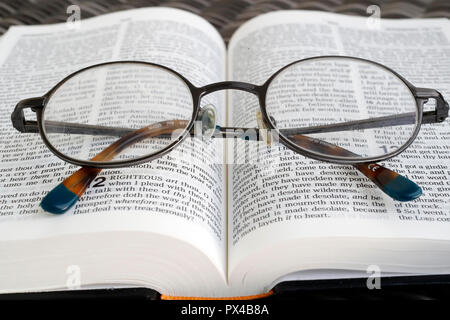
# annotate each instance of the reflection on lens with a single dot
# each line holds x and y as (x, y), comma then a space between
(139, 108)
(356, 105)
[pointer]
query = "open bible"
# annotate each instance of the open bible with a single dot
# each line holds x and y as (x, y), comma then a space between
(213, 224)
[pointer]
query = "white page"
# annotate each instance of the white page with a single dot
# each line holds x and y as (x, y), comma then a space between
(267, 43)
(34, 59)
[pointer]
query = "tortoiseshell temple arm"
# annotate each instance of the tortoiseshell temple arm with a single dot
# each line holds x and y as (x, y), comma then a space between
(392, 183)
(66, 194)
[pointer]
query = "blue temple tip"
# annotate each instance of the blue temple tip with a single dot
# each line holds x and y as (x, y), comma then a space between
(402, 189)
(59, 200)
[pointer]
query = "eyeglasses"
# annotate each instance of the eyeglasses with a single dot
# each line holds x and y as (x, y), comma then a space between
(337, 109)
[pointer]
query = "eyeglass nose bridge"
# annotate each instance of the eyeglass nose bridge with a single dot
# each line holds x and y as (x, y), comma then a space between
(230, 85)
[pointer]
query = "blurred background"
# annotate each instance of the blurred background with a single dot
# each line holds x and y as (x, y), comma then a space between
(225, 15)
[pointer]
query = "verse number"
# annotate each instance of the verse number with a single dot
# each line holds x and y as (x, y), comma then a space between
(100, 182)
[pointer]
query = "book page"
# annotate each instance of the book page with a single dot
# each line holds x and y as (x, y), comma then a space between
(174, 195)
(288, 196)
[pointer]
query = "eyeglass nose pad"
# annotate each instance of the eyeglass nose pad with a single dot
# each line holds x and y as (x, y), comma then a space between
(207, 116)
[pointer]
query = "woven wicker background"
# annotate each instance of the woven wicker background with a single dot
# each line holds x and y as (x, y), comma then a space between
(225, 15)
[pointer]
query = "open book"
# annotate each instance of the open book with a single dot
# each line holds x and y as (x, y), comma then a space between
(214, 226)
